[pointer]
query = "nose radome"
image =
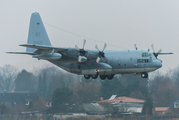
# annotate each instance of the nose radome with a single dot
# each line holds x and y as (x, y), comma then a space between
(160, 60)
(159, 63)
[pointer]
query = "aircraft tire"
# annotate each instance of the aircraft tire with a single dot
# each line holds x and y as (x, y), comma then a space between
(87, 76)
(144, 75)
(94, 76)
(102, 77)
(110, 77)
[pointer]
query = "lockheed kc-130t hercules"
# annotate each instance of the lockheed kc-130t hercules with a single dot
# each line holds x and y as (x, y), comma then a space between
(90, 63)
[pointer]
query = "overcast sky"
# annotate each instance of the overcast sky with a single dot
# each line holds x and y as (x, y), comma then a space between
(121, 23)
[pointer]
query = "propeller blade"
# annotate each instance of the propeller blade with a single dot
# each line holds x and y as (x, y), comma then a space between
(153, 47)
(79, 59)
(97, 47)
(81, 51)
(160, 51)
(77, 47)
(105, 45)
(98, 59)
(135, 46)
(84, 42)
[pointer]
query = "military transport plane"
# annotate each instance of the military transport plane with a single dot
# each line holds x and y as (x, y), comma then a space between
(90, 63)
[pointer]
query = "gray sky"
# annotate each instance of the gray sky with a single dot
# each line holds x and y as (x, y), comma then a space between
(121, 23)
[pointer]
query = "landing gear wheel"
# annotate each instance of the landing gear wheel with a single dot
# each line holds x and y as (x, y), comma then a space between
(87, 76)
(102, 77)
(110, 77)
(94, 76)
(144, 75)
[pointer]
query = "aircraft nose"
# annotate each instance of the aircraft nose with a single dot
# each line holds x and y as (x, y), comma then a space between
(158, 64)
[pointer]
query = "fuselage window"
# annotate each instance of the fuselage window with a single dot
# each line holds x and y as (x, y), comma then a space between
(145, 55)
(142, 60)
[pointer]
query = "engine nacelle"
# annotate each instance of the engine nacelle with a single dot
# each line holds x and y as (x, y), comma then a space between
(53, 56)
(83, 59)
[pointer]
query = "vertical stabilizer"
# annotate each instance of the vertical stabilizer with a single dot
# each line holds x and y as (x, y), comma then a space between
(37, 33)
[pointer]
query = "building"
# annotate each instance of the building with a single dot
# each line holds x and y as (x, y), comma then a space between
(14, 99)
(125, 104)
(174, 108)
(94, 108)
(161, 110)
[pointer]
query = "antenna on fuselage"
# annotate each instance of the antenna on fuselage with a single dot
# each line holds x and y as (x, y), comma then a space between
(135, 46)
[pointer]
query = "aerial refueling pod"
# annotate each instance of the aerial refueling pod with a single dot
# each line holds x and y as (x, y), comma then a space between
(53, 56)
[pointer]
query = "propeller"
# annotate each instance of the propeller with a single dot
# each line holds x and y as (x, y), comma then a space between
(135, 46)
(82, 52)
(155, 54)
(101, 53)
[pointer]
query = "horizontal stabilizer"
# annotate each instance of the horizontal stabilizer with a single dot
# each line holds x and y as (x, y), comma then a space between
(21, 53)
(43, 47)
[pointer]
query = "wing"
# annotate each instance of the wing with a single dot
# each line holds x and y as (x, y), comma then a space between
(21, 53)
(164, 53)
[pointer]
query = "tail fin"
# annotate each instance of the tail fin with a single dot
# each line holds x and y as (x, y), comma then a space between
(37, 33)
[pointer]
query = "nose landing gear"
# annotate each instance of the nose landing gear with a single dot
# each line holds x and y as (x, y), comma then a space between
(144, 75)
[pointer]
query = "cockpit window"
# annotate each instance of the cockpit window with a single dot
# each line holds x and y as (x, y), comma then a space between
(145, 55)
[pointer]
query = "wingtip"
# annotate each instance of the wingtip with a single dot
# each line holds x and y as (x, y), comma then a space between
(22, 44)
(8, 52)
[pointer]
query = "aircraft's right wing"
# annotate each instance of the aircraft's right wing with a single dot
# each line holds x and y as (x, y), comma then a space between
(165, 53)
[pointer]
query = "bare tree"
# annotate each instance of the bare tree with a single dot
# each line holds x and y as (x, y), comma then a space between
(174, 74)
(8, 74)
(85, 91)
(163, 90)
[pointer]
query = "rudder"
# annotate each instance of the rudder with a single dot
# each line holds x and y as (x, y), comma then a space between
(37, 33)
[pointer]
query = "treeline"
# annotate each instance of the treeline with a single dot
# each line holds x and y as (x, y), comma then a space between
(162, 88)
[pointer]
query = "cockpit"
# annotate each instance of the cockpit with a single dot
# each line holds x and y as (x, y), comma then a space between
(145, 55)
(151, 55)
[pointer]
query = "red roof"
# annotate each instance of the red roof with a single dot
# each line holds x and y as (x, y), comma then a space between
(161, 108)
(124, 99)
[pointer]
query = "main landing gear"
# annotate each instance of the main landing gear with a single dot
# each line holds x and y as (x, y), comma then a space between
(144, 75)
(102, 77)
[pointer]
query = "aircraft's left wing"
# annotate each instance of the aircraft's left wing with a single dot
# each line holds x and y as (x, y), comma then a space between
(43, 47)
